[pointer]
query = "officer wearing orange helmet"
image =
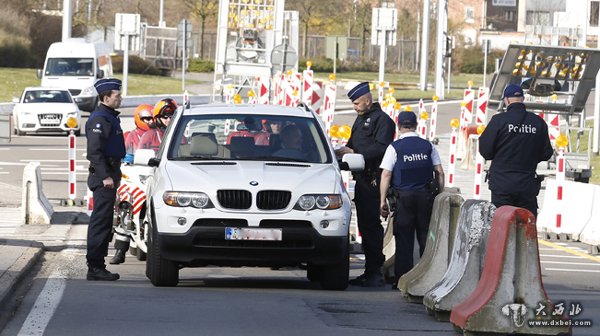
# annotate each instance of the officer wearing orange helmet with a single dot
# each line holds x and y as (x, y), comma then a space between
(162, 113)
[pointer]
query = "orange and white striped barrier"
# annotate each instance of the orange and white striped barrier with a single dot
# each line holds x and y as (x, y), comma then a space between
(264, 85)
(478, 180)
(328, 105)
(422, 124)
(317, 97)
(469, 100)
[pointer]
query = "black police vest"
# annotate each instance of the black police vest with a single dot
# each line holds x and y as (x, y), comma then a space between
(414, 168)
(115, 145)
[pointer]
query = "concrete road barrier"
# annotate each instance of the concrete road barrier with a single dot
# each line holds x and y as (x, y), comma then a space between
(36, 208)
(464, 270)
(510, 288)
(440, 240)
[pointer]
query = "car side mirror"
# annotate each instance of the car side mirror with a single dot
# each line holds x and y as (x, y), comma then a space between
(38, 73)
(352, 162)
(15, 100)
(145, 157)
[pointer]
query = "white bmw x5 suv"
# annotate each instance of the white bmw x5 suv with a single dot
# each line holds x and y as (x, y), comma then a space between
(248, 185)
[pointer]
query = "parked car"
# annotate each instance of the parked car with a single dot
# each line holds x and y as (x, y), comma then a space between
(42, 109)
(226, 192)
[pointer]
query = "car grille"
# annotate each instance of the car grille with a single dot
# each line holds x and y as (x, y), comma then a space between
(50, 119)
(273, 199)
(74, 92)
(234, 199)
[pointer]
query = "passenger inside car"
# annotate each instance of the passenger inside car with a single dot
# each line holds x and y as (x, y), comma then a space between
(291, 144)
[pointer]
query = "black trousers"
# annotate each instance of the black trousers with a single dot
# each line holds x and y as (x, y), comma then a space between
(101, 222)
(521, 200)
(413, 212)
(366, 199)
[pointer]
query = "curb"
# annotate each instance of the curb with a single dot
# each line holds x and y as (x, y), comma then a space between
(10, 279)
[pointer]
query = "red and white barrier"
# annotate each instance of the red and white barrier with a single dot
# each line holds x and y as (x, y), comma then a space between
(560, 179)
(90, 202)
(72, 165)
(452, 158)
(329, 106)
(433, 119)
(263, 90)
(478, 180)
(307, 87)
(317, 97)
(469, 100)
(422, 125)
(482, 102)
(252, 99)
(553, 126)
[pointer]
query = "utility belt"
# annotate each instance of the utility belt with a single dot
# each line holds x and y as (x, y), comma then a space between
(113, 163)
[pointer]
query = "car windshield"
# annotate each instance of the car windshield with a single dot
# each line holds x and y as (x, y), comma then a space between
(76, 67)
(46, 96)
(249, 137)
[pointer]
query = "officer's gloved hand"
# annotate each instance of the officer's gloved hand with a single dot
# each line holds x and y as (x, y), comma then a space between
(128, 159)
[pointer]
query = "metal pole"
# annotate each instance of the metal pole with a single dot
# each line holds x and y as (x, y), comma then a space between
(441, 39)
(449, 59)
(417, 38)
(485, 56)
(335, 54)
(596, 115)
(89, 11)
(183, 54)
(382, 52)
(125, 66)
(161, 23)
(424, 46)
(67, 20)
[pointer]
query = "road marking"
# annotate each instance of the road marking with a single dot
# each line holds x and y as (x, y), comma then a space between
(65, 173)
(559, 256)
(568, 250)
(45, 305)
(571, 270)
(569, 263)
(54, 149)
(5, 163)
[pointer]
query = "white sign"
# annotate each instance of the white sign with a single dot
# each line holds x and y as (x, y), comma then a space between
(127, 24)
(505, 3)
(384, 19)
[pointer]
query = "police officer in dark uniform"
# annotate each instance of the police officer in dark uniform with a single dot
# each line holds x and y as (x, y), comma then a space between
(409, 165)
(516, 141)
(372, 131)
(105, 149)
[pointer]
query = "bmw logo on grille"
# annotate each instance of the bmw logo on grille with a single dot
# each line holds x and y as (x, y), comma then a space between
(253, 183)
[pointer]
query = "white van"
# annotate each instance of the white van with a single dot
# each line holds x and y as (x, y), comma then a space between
(75, 65)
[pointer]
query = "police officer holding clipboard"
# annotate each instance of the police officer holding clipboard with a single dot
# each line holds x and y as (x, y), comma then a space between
(105, 149)
(372, 131)
(409, 167)
(516, 141)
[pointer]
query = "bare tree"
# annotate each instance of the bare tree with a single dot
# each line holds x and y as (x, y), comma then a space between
(204, 10)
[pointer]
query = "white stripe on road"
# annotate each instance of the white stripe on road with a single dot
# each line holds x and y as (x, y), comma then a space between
(569, 263)
(5, 163)
(54, 149)
(560, 256)
(571, 270)
(65, 173)
(44, 307)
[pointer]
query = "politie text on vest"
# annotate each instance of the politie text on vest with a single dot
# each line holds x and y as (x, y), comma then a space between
(415, 157)
(523, 128)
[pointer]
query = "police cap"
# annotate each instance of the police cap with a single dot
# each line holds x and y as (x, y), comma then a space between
(359, 91)
(107, 84)
(512, 90)
(406, 118)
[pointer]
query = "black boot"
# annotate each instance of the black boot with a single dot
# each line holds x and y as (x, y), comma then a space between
(96, 273)
(119, 258)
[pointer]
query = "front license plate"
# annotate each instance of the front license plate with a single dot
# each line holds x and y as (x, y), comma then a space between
(50, 121)
(232, 233)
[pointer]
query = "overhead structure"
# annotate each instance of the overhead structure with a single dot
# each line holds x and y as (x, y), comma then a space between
(542, 71)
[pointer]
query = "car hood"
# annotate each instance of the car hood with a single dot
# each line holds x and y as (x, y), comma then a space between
(46, 107)
(210, 176)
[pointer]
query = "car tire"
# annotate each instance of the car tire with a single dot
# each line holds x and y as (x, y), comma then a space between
(141, 255)
(133, 251)
(20, 133)
(77, 132)
(313, 272)
(336, 276)
(161, 272)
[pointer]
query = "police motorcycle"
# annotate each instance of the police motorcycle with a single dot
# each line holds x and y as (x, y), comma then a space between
(130, 206)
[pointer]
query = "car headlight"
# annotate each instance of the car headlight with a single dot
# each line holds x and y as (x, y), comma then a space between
(186, 199)
(319, 201)
(88, 91)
